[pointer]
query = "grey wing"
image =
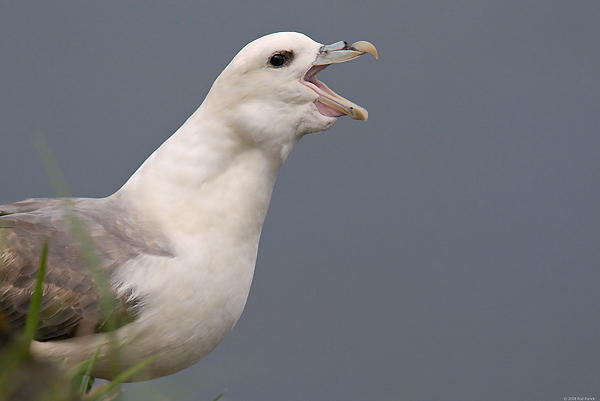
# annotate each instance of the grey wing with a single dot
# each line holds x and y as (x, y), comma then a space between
(28, 205)
(70, 302)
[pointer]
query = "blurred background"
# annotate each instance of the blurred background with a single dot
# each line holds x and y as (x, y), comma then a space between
(446, 249)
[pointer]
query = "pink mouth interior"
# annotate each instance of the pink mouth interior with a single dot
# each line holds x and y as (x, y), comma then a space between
(327, 111)
(310, 79)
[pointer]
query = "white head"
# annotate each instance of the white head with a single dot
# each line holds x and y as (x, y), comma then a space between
(270, 94)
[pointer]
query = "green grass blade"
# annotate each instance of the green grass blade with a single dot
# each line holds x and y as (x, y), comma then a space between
(110, 387)
(88, 380)
(82, 373)
(36, 299)
(220, 395)
(106, 297)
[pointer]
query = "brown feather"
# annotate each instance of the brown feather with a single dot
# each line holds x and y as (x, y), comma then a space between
(70, 304)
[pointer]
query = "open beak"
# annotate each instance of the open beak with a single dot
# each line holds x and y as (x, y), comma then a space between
(330, 103)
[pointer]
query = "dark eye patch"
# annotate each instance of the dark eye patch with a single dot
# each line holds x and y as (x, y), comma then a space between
(281, 58)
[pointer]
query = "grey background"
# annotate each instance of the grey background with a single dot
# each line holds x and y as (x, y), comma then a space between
(447, 249)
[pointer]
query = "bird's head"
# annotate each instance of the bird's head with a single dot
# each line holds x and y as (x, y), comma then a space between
(270, 89)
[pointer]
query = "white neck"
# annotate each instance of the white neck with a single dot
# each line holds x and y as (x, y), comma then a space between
(205, 163)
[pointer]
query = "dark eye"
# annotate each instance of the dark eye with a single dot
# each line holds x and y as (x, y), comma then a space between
(277, 60)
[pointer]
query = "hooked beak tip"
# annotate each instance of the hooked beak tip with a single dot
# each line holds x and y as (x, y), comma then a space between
(366, 47)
